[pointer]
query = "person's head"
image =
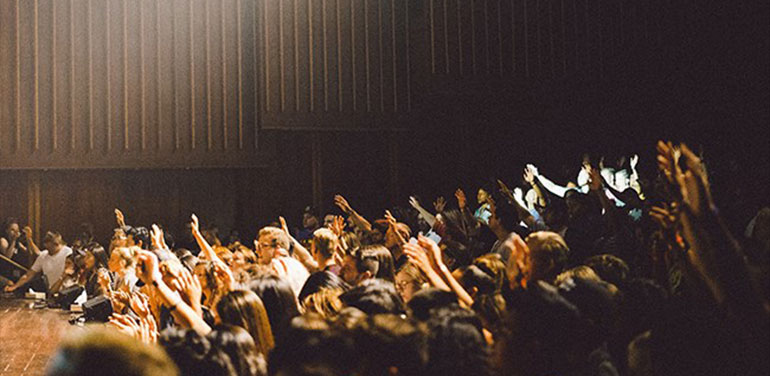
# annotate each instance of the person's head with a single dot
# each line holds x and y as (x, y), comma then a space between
(119, 238)
(242, 257)
(475, 281)
(409, 280)
(373, 261)
(391, 237)
(580, 271)
(270, 242)
(456, 344)
(374, 296)
(138, 236)
(609, 268)
(325, 244)
(309, 219)
(543, 336)
(194, 354)
(245, 309)
(426, 300)
(95, 350)
(122, 259)
(325, 303)
(96, 257)
(52, 241)
(205, 272)
(279, 300)
(321, 280)
(239, 346)
(328, 220)
(11, 229)
(388, 344)
(504, 218)
(546, 258)
(493, 265)
(482, 196)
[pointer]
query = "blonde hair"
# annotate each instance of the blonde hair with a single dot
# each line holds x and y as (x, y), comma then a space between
(326, 302)
(277, 237)
(582, 272)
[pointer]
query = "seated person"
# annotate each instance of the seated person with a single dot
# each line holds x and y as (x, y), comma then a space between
(51, 262)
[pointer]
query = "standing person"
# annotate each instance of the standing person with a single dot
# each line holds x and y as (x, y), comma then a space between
(50, 263)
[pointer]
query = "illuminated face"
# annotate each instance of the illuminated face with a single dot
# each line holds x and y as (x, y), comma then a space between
(348, 272)
(13, 231)
(406, 286)
(265, 248)
(200, 273)
(482, 196)
(118, 239)
(328, 221)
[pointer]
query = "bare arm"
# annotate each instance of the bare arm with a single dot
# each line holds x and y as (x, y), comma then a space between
(358, 219)
(205, 247)
(300, 252)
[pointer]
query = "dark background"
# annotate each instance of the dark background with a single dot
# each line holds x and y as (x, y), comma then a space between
(246, 123)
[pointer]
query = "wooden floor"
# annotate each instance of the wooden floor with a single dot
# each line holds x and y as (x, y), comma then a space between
(28, 336)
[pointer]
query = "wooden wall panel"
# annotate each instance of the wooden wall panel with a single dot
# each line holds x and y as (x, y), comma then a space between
(124, 83)
(336, 64)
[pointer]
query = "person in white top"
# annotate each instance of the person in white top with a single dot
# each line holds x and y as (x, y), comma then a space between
(272, 249)
(51, 262)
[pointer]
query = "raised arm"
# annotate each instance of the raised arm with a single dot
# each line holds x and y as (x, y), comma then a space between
(424, 214)
(149, 272)
(33, 248)
(205, 247)
(300, 252)
(435, 256)
(358, 219)
(549, 185)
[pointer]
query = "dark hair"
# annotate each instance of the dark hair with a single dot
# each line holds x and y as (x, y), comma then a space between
(279, 300)
(7, 223)
(506, 214)
(610, 268)
(377, 260)
(313, 345)
(239, 345)
(473, 276)
(456, 344)
(100, 254)
(426, 300)
(245, 309)
(320, 280)
(194, 354)
(374, 296)
(139, 234)
(384, 341)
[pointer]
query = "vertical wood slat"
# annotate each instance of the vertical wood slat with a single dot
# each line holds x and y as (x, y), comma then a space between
(18, 78)
(209, 140)
(353, 66)
(141, 77)
(53, 78)
(325, 55)
(296, 54)
(224, 75)
(159, 104)
(366, 47)
(36, 67)
(281, 66)
(108, 65)
(240, 72)
(90, 79)
(380, 58)
(72, 74)
(193, 141)
(446, 39)
(125, 76)
(339, 56)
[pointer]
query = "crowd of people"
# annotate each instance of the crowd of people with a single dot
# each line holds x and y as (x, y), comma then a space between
(609, 274)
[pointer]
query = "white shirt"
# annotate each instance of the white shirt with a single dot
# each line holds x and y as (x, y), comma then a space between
(52, 266)
(292, 270)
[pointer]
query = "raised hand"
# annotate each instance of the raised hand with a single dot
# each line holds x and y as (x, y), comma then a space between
(120, 218)
(532, 169)
(418, 256)
(668, 158)
(284, 226)
(27, 232)
(529, 175)
(665, 216)
(461, 199)
(439, 204)
(634, 161)
(432, 248)
(223, 276)
(391, 220)
(140, 304)
(147, 268)
(190, 288)
(694, 185)
(338, 225)
(342, 203)
(196, 228)
(156, 236)
(124, 324)
(414, 203)
(104, 280)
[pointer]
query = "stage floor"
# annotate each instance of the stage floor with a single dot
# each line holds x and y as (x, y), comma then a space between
(29, 336)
